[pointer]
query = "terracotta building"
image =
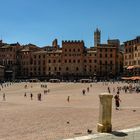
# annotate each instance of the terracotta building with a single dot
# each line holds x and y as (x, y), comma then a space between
(9, 58)
(1, 73)
(71, 61)
(132, 57)
(72, 58)
(109, 59)
(25, 60)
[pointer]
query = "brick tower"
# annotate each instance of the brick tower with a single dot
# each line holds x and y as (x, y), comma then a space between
(97, 37)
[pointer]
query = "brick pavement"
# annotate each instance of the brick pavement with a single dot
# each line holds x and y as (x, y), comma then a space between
(24, 119)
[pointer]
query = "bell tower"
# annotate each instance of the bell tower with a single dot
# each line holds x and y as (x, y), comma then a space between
(1, 43)
(55, 44)
(97, 37)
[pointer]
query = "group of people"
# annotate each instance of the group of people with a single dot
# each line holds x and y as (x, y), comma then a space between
(46, 91)
(83, 92)
(39, 95)
(4, 85)
(26, 86)
(31, 96)
(117, 90)
(43, 86)
(130, 88)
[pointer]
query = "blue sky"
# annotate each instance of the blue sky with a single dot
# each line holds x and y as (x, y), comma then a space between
(41, 21)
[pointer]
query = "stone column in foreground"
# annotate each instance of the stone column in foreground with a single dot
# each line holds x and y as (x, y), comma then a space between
(105, 113)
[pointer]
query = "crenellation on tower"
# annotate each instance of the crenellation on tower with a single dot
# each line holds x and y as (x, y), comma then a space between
(72, 41)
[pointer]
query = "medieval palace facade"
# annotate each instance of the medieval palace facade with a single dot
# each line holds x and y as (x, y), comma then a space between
(72, 60)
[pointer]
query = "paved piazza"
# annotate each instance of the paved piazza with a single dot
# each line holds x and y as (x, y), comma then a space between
(54, 118)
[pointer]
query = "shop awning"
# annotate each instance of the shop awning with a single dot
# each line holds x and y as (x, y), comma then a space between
(131, 78)
(126, 78)
(135, 78)
(9, 71)
(130, 67)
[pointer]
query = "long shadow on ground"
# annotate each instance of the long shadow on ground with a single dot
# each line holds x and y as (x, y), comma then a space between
(119, 134)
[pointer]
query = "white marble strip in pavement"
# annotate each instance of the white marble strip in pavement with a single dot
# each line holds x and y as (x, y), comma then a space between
(93, 136)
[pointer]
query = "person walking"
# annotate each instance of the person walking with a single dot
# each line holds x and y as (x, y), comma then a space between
(83, 91)
(4, 97)
(68, 98)
(87, 89)
(31, 95)
(109, 89)
(117, 101)
(113, 90)
(25, 94)
(39, 96)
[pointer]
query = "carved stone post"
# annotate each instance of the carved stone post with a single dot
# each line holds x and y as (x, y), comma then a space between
(105, 113)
